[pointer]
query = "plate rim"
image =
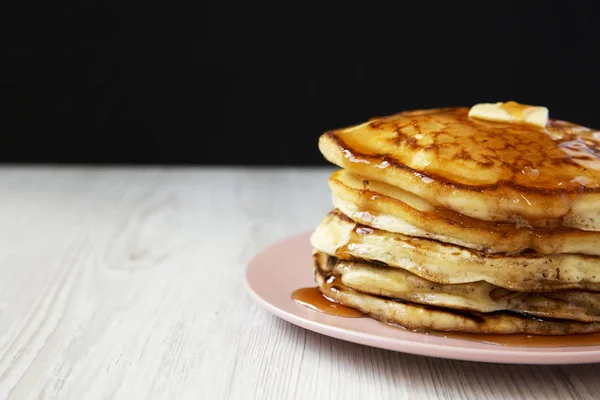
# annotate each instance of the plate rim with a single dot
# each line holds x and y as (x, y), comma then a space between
(508, 354)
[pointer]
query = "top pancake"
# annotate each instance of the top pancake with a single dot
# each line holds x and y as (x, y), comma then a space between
(510, 172)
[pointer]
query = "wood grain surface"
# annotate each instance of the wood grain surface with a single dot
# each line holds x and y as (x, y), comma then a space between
(128, 284)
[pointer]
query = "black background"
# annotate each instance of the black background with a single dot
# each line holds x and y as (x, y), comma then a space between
(223, 83)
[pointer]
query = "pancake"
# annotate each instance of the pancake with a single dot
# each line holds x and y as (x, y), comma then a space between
(389, 208)
(426, 318)
(492, 171)
(396, 283)
(445, 263)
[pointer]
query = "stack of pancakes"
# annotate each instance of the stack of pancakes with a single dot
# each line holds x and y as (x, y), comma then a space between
(448, 222)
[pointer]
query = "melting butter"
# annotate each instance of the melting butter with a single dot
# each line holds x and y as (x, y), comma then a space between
(510, 112)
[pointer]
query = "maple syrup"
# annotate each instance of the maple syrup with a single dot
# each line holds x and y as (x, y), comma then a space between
(515, 109)
(312, 298)
(509, 168)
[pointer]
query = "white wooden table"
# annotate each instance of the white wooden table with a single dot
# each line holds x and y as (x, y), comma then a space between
(128, 283)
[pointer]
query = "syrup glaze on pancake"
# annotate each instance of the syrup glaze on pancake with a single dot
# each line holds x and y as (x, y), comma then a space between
(420, 317)
(392, 209)
(340, 236)
(487, 170)
(381, 280)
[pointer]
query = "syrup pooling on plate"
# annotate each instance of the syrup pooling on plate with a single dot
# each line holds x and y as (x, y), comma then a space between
(296, 251)
(312, 298)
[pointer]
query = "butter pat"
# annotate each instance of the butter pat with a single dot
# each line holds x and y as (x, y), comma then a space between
(510, 112)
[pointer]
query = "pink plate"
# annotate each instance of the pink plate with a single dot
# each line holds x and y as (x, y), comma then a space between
(278, 270)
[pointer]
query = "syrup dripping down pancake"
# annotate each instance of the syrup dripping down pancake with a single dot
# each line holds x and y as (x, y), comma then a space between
(445, 263)
(492, 171)
(389, 208)
(427, 318)
(483, 297)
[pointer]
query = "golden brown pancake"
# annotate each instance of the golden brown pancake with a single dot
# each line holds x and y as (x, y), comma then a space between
(426, 318)
(445, 263)
(389, 208)
(491, 171)
(396, 283)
